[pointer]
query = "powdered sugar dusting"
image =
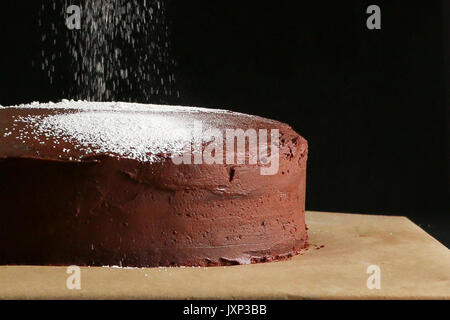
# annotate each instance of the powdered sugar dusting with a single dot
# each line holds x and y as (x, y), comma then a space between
(133, 136)
(83, 105)
(141, 132)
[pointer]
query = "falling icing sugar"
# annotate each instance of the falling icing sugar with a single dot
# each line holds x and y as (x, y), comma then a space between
(121, 52)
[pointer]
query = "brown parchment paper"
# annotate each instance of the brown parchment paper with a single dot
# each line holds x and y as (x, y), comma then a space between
(413, 265)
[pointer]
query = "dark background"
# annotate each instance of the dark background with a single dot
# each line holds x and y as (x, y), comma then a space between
(373, 104)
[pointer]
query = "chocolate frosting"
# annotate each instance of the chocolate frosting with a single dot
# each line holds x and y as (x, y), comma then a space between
(94, 184)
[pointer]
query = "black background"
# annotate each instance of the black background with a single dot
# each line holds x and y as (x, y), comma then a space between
(373, 104)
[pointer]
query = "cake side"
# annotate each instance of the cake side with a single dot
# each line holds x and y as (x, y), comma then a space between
(63, 206)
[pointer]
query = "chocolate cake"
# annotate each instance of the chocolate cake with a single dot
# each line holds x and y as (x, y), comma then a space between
(102, 184)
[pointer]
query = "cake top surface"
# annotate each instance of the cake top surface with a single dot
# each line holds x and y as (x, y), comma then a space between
(83, 105)
(76, 129)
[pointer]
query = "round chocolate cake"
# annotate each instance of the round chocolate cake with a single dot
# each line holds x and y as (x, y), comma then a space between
(101, 184)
